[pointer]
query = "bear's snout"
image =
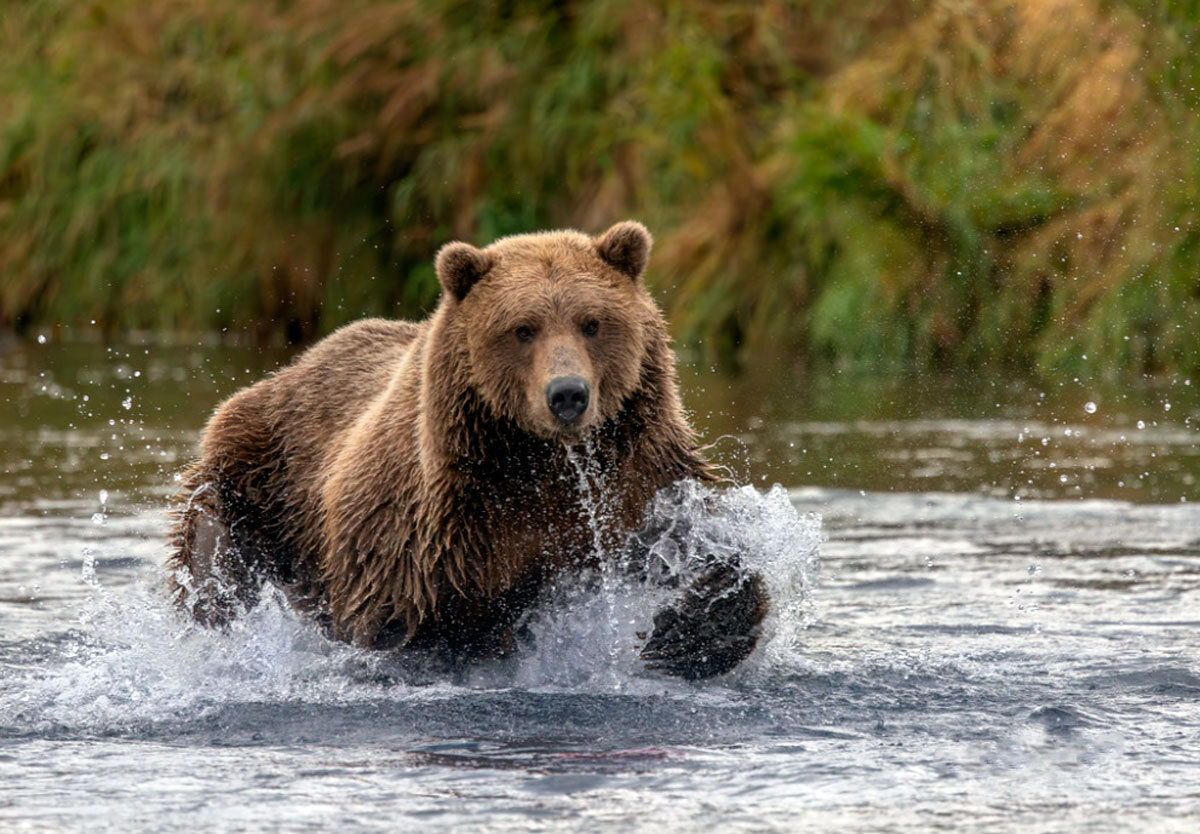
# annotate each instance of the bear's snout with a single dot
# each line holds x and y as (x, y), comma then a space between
(567, 397)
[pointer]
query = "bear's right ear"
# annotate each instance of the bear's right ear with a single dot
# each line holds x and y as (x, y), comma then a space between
(460, 266)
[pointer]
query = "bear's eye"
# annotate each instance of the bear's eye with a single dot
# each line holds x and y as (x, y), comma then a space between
(524, 334)
(591, 328)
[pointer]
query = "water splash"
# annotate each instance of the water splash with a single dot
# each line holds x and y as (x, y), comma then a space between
(608, 607)
(586, 633)
(592, 491)
(760, 533)
(134, 661)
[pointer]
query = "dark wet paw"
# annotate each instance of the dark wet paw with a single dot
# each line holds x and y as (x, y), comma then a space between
(711, 627)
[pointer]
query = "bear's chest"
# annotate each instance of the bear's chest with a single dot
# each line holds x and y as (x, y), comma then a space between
(569, 521)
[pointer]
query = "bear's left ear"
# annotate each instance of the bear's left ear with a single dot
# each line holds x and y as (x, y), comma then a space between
(459, 267)
(626, 247)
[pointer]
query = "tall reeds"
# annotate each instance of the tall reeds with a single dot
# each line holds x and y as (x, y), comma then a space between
(884, 184)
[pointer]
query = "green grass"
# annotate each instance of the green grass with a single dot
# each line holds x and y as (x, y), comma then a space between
(880, 185)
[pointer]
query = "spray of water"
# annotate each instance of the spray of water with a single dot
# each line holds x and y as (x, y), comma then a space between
(612, 613)
(134, 660)
(586, 634)
(759, 533)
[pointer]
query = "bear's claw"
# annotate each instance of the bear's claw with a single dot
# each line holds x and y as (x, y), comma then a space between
(711, 627)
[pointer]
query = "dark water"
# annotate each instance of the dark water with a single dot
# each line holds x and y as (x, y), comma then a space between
(1000, 635)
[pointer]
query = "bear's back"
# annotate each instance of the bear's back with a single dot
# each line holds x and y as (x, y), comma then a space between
(271, 438)
(328, 386)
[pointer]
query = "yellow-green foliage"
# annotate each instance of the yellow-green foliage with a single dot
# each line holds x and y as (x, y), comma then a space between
(915, 182)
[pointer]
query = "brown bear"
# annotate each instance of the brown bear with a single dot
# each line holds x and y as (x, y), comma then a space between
(416, 484)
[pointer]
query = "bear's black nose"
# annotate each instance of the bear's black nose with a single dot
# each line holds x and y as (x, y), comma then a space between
(567, 397)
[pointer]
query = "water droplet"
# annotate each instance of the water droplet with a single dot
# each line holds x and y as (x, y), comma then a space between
(97, 518)
(104, 496)
(88, 571)
(1090, 407)
(127, 403)
(41, 338)
(1141, 424)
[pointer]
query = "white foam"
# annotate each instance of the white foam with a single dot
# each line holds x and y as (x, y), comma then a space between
(765, 534)
(135, 660)
(585, 635)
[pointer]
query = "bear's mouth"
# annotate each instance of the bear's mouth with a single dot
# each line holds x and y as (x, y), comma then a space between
(572, 433)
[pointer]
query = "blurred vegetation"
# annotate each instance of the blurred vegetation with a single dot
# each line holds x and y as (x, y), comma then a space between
(892, 183)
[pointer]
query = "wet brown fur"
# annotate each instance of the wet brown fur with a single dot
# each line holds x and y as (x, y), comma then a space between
(405, 483)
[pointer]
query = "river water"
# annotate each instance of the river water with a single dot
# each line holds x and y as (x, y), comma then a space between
(998, 635)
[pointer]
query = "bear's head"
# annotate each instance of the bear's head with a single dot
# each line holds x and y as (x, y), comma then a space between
(556, 325)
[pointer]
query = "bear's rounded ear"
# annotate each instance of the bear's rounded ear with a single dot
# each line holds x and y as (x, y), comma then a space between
(460, 266)
(626, 247)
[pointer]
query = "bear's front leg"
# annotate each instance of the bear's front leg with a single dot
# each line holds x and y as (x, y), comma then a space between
(711, 627)
(212, 575)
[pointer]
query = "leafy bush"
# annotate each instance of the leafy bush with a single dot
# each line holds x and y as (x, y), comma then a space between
(884, 184)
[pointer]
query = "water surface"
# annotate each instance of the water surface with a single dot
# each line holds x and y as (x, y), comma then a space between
(1000, 633)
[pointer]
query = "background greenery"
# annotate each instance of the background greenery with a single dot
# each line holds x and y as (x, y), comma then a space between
(880, 184)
